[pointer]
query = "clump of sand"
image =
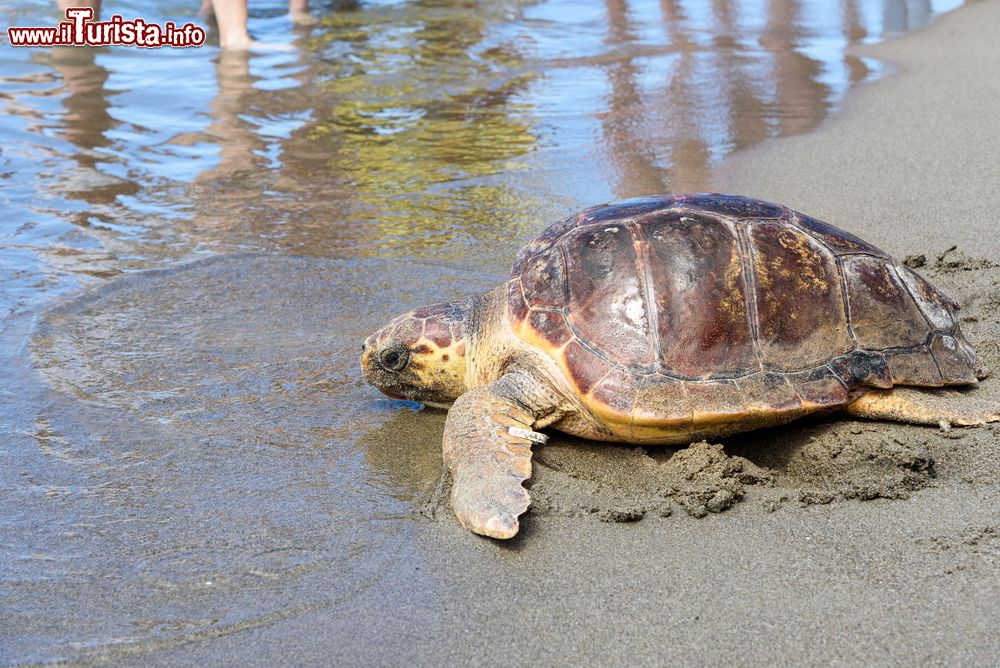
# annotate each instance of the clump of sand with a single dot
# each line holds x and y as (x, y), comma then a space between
(623, 484)
(814, 464)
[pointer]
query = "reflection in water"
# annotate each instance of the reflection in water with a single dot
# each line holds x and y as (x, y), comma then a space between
(904, 15)
(423, 121)
(86, 120)
(86, 124)
(628, 143)
(237, 139)
(722, 83)
(796, 76)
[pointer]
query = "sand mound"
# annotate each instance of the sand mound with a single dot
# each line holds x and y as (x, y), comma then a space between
(813, 464)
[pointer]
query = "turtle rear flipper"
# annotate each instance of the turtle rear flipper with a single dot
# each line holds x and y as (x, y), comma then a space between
(487, 441)
(925, 406)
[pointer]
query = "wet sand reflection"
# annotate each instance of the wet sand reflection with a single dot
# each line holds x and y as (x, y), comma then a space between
(727, 86)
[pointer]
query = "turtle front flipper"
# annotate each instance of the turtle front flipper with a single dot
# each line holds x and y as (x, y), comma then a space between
(487, 440)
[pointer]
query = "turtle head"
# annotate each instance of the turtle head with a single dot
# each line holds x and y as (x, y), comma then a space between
(420, 356)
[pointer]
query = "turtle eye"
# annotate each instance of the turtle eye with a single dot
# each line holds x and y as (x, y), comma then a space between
(394, 359)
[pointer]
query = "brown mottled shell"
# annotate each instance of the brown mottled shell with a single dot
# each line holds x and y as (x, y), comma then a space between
(731, 306)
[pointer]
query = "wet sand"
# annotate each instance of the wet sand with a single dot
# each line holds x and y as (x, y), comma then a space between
(831, 540)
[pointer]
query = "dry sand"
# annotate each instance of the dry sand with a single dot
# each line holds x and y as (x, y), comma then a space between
(828, 541)
(832, 541)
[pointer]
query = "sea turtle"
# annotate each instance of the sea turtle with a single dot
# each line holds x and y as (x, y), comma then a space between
(670, 319)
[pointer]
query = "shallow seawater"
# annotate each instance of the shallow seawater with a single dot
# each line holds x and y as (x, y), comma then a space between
(190, 437)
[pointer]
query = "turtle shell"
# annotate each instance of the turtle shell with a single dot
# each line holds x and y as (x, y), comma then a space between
(671, 312)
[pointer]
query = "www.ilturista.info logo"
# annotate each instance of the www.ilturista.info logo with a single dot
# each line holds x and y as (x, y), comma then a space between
(79, 30)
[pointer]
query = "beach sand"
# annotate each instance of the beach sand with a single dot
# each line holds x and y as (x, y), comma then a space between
(828, 541)
(832, 541)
